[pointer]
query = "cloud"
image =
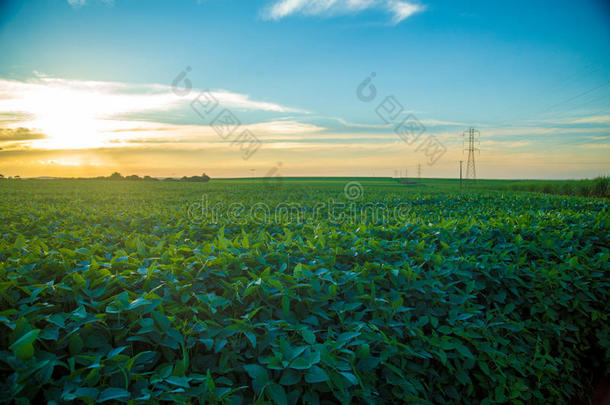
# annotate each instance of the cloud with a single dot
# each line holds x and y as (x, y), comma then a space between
(504, 144)
(242, 101)
(595, 146)
(115, 97)
(399, 10)
(77, 3)
(77, 113)
(141, 132)
(19, 134)
(80, 3)
(285, 127)
(41, 95)
(600, 119)
(382, 126)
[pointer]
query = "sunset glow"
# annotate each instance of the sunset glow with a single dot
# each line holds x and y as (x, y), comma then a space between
(551, 126)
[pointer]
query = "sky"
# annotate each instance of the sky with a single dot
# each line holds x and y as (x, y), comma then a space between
(240, 88)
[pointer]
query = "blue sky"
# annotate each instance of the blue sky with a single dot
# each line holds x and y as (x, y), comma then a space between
(533, 77)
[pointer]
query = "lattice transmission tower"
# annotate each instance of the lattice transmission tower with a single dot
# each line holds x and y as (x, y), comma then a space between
(471, 136)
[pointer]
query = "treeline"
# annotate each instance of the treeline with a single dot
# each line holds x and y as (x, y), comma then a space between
(200, 179)
(597, 187)
(118, 177)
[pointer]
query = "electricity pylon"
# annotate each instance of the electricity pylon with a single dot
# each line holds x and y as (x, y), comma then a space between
(471, 136)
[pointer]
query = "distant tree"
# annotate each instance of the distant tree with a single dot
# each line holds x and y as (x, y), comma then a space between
(133, 177)
(601, 187)
(148, 178)
(18, 177)
(547, 188)
(201, 179)
(584, 188)
(1, 176)
(116, 176)
(567, 188)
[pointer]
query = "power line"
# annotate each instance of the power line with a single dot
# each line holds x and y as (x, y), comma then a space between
(576, 96)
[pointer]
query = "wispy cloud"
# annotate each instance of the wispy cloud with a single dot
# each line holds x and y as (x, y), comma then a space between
(80, 3)
(111, 98)
(402, 9)
(594, 146)
(504, 144)
(599, 119)
(77, 3)
(136, 132)
(399, 10)
(243, 101)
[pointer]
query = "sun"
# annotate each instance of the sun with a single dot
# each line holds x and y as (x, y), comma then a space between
(68, 132)
(75, 114)
(70, 118)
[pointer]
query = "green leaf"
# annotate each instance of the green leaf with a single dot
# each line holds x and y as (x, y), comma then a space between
(138, 302)
(277, 394)
(86, 393)
(445, 330)
(464, 351)
(19, 242)
(259, 376)
(484, 367)
(347, 336)
(179, 381)
(397, 303)
(76, 344)
(23, 347)
(256, 371)
(300, 363)
(252, 338)
(308, 336)
(290, 377)
(286, 304)
(363, 351)
(83, 251)
(161, 321)
(113, 393)
(353, 380)
(443, 356)
(315, 375)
